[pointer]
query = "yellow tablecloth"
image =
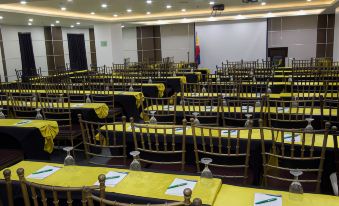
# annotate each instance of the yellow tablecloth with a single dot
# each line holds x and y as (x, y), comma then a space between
(242, 196)
(142, 184)
(182, 79)
(48, 129)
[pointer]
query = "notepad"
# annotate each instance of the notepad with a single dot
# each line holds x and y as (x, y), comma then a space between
(209, 108)
(113, 178)
(179, 185)
(282, 109)
(168, 107)
(181, 129)
(247, 108)
(288, 138)
(226, 132)
(78, 105)
(261, 199)
(43, 172)
(23, 122)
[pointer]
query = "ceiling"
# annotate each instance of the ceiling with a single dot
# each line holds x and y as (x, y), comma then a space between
(89, 12)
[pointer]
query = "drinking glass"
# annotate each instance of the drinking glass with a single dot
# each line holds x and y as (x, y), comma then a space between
(153, 120)
(231, 78)
(258, 104)
(204, 90)
(159, 74)
(218, 79)
(131, 89)
(224, 101)
(174, 74)
(295, 101)
(182, 102)
(60, 98)
(206, 173)
(34, 97)
(254, 79)
(309, 127)
(135, 164)
(295, 186)
(88, 99)
(69, 160)
(269, 90)
(150, 81)
(38, 114)
(290, 79)
(196, 120)
(2, 115)
(247, 123)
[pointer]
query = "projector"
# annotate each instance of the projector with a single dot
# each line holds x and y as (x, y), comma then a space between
(218, 7)
(250, 1)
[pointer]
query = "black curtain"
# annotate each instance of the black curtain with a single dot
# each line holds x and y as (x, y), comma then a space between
(77, 51)
(27, 55)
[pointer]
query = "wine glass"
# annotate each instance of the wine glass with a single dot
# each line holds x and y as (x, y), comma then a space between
(204, 90)
(247, 123)
(69, 160)
(60, 98)
(295, 101)
(38, 114)
(218, 79)
(269, 90)
(150, 81)
(254, 79)
(224, 101)
(206, 173)
(174, 74)
(107, 88)
(290, 79)
(231, 78)
(295, 186)
(2, 115)
(182, 102)
(34, 97)
(135, 164)
(196, 120)
(309, 127)
(88, 99)
(159, 74)
(131, 89)
(153, 120)
(258, 104)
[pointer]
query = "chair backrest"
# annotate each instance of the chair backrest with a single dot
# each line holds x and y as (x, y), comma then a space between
(99, 136)
(160, 144)
(9, 187)
(76, 92)
(287, 149)
(24, 106)
(289, 113)
(207, 107)
(329, 111)
(166, 109)
(4, 102)
(36, 190)
(336, 150)
(229, 148)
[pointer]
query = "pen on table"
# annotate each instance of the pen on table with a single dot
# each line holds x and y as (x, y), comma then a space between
(273, 195)
(43, 171)
(178, 185)
(113, 177)
(266, 201)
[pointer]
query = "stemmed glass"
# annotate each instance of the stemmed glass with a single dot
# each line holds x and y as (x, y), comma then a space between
(254, 79)
(60, 98)
(69, 160)
(131, 89)
(258, 103)
(2, 115)
(204, 90)
(295, 186)
(247, 123)
(153, 120)
(231, 78)
(159, 74)
(309, 127)
(150, 80)
(34, 97)
(290, 79)
(182, 102)
(174, 74)
(135, 164)
(206, 173)
(38, 114)
(295, 101)
(218, 79)
(269, 90)
(224, 101)
(196, 120)
(107, 88)
(88, 99)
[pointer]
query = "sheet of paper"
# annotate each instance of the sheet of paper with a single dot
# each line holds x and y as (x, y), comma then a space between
(23, 122)
(78, 105)
(261, 199)
(247, 108)
(282, 109)
(43, 172)
(113, 178)
(209, 108)
(288, 137)
(181, 130)
(168, 107)
(226, 132)
(179, 185)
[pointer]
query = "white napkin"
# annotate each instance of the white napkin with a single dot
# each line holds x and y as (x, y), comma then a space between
(118, 177)
(226, 132)
(179, 191)
(23, 122)
(43, 172)
(288, 137)
(258, 197)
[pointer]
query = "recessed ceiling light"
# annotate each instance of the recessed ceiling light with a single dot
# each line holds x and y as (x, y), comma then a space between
(183, 10)
(57, 22)
(115, 15)
(104, 5)
(148, 13)
(23, 2)
(1, 17)
(148, 1)
(52, 24)
(122, 26)
(72, 26)
(70, 0)
(63, 8)
(263, 3)
(309, 0)
(30, 20)
(168, 6)
(29, 24)
(211, 3)
(129, 10)
(92, 13)
(78, 23)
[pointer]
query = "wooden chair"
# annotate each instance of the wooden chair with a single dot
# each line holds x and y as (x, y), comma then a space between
(335, 175)
(58, 109)
(76, 92)
(166, 109)
(287, 149)
(329, 111)
(158, 144)
(4, 102)
(208, 109)
(104, 145)
(289, 113)
(229, 149)
(49, 195)
(24, 107)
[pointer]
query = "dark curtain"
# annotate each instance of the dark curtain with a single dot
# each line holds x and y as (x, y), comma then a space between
(77, 51)
(27, 55)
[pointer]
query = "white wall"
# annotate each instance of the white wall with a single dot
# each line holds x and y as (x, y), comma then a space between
(177, 40)
(231, 40)
(129, 38)
(336, 36)
(12, 48)
(85, 32)
(1, 70)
